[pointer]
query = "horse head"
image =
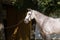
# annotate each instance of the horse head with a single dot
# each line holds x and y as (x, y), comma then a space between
(29, 16)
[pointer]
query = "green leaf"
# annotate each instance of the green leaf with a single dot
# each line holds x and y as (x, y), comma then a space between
(58, 2)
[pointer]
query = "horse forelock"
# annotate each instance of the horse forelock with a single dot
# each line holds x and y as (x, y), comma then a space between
(29, 9)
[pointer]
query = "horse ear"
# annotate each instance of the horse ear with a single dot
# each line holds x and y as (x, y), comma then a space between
(29, 9)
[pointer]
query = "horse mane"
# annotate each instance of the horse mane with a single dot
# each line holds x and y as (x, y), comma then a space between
(29, 9)
(37, 12)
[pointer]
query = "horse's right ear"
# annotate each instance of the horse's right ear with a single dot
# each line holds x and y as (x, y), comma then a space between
(29, 9)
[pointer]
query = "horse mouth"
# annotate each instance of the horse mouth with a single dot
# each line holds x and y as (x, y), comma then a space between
(25, 21)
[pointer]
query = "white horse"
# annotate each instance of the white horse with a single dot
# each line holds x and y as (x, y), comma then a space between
(47, 25)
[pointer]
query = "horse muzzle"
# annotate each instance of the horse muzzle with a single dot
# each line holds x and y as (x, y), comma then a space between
(25, 20)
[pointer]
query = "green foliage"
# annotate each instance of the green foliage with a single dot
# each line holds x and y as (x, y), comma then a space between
(44, 4)
(58, 2)
(55, 14)
(19, 4)
(49, 7)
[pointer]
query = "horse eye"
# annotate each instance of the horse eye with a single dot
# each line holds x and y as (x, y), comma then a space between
(29, 14)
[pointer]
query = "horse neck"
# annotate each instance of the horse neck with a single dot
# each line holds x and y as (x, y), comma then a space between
(39, 17)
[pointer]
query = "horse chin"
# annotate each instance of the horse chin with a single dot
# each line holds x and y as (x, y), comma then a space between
(26, 22)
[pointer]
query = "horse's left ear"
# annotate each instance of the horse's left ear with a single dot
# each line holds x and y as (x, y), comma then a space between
(29, 9)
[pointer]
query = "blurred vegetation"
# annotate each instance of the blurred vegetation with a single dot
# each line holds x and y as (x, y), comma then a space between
(48, 7)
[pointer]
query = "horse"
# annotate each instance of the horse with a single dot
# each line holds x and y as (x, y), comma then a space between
(47, 25)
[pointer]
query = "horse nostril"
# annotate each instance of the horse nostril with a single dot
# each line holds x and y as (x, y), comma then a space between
(26, 21)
